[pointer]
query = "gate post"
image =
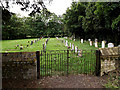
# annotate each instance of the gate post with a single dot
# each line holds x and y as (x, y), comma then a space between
(38, 64)
(98, 63)
(67, 61)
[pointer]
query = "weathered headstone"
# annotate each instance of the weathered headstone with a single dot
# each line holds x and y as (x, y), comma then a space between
(74, 40)
(96, 44)
(81, 40)
(89, 40)
(66, 43)
(79, 53)
(110, 45)
(96, 40)
(76, 48)
(103, 44)
(31, 42)
(72, 46)
(90, 43)
(21, 47)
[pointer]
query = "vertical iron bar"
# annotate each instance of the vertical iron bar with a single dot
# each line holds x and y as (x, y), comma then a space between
(51, 64)
(45, 63)
(67, 61)
(38, 64)
(98, 63)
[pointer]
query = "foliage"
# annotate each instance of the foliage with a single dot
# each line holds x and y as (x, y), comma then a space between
(94, 20)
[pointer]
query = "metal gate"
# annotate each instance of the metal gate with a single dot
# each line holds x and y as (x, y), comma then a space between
(65, 62)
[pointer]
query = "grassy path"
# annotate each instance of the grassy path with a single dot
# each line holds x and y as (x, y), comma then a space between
(54, 44)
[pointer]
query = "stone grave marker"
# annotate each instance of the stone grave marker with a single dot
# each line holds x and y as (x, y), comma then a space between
(96, 44)
(74, 40)
(103, 44)
(89, 40)
(72, 46)
(21, 47)
(81, 40)
(90, 43)
(79, 53)
(66, 43)
(110, 45)
(76, 48)
(31, 42)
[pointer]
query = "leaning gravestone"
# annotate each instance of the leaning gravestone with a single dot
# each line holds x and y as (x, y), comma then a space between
(110, 45)
(81, 40)
(103, 44)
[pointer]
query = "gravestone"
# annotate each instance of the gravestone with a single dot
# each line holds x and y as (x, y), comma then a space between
(90, 43)
(79, 53)
(110, 45)
(81, 40)
(103, 44)
(89, 40)
(31, 42)
(21, 47)
(96, 44)
(96, 40)
(66, 43)
(17, 45)
(72, 47)
(76, 48)
(74, 40)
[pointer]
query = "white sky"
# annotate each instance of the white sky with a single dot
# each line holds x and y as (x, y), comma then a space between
(57, 6)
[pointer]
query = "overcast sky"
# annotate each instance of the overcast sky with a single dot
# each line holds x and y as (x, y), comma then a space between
(57, 6)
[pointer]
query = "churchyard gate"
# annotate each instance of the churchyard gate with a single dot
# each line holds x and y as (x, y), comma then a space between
(65, 62)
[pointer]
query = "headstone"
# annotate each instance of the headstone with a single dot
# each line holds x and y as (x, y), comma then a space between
(90, 43)
(79, 53)
(76, 48)
(31, 42)
(21, 47)
(110, 45)
(96, 44)
(66, 43)
(103, 44)
(96, 40)
(74, 39)
(89, 40)
(17, 45)
(81, 40)
(70, 45)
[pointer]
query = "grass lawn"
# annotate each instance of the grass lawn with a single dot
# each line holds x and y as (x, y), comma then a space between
(56, 62)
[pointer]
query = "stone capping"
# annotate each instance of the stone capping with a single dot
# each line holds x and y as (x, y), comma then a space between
(109, 51)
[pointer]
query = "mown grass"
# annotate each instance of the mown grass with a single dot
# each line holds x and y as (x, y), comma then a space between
(56, 61)
(9, 45)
